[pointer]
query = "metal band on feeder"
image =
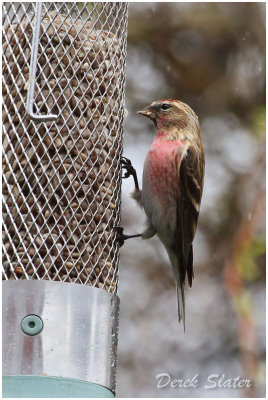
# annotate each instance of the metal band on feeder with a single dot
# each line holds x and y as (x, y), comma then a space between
(63, 111)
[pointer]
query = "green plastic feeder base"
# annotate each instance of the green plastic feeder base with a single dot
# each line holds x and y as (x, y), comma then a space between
(30, 386)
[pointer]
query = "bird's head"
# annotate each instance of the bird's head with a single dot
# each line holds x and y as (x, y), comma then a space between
(167, 114)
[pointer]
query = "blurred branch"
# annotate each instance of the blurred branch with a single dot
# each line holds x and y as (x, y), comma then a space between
(241, 298)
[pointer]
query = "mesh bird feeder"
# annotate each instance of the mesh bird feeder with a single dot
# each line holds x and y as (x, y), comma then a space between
(63, 111)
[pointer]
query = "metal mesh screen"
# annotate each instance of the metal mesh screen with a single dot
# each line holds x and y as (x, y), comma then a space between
(62, 178)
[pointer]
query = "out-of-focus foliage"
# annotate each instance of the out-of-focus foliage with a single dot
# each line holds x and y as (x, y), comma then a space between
(251, 260)
(211, 56)
(258, 118)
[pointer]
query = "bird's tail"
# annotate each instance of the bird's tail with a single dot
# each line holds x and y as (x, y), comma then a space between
(181, 302)
(179, 286)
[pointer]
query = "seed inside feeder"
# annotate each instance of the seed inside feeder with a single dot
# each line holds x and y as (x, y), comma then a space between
(59, 187)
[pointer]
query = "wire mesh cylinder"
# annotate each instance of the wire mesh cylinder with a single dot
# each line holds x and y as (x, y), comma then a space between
(61, 179)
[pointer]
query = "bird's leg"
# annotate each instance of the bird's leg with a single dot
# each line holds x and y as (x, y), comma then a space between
(120, 237)
(130, 170)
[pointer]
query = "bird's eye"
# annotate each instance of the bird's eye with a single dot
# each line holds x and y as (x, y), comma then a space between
(165, 106)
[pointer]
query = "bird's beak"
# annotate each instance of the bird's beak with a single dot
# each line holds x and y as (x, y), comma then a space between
(147, 113)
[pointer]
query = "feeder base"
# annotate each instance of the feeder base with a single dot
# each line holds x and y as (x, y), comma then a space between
(60, 331)
(30, 386)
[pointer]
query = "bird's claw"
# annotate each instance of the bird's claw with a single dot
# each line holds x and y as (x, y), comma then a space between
(130, 170)
(125, 161)
(119, 236)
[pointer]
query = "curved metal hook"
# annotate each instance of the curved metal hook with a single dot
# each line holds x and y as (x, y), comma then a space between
(32, 75)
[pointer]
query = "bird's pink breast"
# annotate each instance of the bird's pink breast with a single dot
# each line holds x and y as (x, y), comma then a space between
(161, 171)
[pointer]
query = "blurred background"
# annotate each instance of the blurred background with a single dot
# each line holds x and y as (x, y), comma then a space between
(211, 56)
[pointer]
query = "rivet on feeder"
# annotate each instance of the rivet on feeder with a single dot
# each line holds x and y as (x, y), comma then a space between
(32, 325)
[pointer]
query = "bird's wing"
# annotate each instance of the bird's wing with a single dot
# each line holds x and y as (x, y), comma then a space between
(190, 173)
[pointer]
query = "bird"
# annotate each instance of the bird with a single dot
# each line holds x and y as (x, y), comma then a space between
(172, 186)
